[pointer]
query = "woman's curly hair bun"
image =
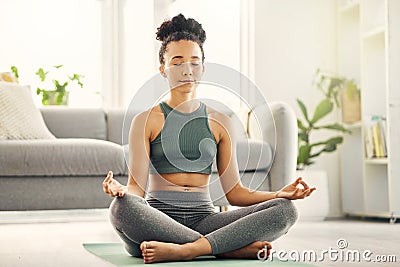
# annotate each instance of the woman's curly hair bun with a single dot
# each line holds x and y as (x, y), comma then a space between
(180, 24)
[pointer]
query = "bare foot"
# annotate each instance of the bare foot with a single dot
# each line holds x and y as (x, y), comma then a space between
(248, 252)
(154, 251)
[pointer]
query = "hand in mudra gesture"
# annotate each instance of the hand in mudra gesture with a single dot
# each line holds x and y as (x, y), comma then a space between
(112, 187)
(297, 190)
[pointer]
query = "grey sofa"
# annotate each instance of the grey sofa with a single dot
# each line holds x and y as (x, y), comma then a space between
(67, 173)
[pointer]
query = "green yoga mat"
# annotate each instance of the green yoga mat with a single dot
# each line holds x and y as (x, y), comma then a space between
(116, 254)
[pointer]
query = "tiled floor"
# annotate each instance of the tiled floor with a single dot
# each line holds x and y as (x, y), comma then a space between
(54, 238)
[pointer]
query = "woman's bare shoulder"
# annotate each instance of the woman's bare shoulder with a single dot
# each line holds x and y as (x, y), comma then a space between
(149, 115)
(218, 115)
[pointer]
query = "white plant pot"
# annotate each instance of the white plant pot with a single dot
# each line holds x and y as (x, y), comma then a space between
(316, 206)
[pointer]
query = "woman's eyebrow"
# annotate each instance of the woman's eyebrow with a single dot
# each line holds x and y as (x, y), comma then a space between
(174, 57)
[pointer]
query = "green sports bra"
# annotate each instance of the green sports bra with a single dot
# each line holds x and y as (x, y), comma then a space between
(185, 143)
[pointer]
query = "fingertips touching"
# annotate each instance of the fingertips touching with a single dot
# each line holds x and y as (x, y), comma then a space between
(298, 181)
(304, 184)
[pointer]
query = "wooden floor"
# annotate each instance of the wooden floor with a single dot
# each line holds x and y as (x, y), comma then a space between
(54, 238)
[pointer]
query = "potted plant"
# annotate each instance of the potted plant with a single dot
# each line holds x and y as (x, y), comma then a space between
(350, 94)
(308, 150)
(58, 95)
(331, 87)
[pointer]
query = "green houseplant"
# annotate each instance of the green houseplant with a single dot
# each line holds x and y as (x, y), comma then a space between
(58, 95)
(331, 87)
(337, 87)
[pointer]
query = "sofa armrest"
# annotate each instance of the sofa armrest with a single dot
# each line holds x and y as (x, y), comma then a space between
(119, 123)
(66, 122)
(283, 138)
(115, 120)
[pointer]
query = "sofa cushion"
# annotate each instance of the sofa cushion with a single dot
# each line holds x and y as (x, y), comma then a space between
(66, 122)
(19, 117)
(60, 157)
(253, 155)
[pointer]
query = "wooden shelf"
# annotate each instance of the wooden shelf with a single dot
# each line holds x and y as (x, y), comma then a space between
(378, 161)
(374, 33)
(353, 126)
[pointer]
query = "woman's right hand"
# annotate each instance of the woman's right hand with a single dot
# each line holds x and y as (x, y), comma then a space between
(112, 187)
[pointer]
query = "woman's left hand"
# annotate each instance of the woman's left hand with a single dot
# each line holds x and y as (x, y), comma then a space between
(292, 191)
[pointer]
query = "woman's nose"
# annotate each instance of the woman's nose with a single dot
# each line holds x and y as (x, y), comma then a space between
(187, 70)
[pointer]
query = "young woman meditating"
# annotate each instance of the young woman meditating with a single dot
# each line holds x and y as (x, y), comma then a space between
(172, 146)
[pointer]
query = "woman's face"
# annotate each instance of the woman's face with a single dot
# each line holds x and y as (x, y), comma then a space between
(183, 65)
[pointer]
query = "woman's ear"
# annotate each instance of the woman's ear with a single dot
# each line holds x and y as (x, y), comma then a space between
(162, 71)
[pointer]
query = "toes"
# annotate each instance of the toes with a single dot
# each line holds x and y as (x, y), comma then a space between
(268, 245)
(149, 252)
(148, 259)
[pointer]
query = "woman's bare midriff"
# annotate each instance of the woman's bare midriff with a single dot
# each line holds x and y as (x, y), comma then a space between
(183, 182)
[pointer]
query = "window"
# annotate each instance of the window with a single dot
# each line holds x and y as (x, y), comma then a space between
(44, 33)
(223, 42)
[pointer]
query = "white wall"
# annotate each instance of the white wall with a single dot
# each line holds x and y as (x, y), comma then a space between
(137, 40)
(292, 40)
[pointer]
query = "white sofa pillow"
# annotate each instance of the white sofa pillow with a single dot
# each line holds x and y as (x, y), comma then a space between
(19, 117)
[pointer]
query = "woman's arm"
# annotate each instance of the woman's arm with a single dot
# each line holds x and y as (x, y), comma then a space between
(228, 171)
(139, 154)
(139, 151)
(235, 192)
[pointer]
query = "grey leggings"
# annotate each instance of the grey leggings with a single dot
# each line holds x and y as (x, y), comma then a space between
(136, 220)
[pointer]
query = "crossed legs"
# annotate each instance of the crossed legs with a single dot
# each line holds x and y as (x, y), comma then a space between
(240, 233)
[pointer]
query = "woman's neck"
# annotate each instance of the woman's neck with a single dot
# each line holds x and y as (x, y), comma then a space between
(186, 103)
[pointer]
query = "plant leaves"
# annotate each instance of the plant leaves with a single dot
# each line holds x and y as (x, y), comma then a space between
(330, 145)
(58, 66)
(336, 98)
(323, 109)
(303, 136)
(60, 88)
(77, 77)
(300, 125)
(303, 109)
(304, 154)
(335, 83)
(15, 71)
(42, 74)
(330, 141)
(335, 126)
